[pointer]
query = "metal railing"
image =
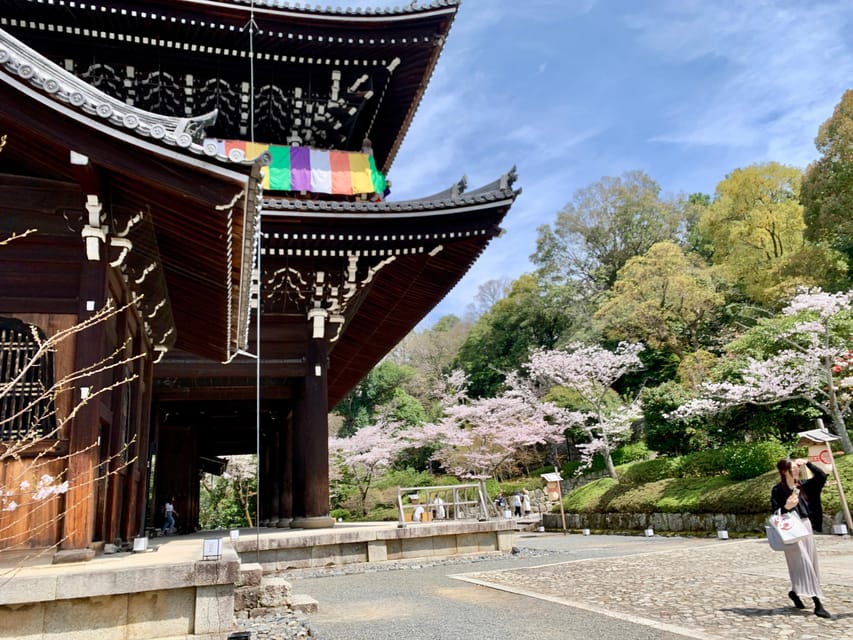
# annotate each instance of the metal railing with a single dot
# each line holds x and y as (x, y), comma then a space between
(442, 503)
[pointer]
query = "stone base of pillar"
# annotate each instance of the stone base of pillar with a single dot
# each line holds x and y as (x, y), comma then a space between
(284, 523)
(272, 522)
(315, 522)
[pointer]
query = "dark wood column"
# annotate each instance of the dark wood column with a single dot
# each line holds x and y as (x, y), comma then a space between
(84, 452)
(311, 444)
(266, 483)
(285, 458)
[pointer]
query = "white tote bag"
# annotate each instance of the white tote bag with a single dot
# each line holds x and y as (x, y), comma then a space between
(785, 528)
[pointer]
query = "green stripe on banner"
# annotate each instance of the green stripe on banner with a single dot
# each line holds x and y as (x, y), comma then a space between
(280, 168)
(379, 182)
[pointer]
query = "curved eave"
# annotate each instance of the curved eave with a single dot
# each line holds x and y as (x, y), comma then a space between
(398, 49)
(448, 231)
(207, 267)
(401, 296)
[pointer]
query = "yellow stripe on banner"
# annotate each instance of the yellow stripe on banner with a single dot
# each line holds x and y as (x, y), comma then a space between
(253, 150)
(360, 168)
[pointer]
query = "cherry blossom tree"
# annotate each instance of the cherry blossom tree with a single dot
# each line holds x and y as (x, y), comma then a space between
(481, 437)
(366, 454)
(590, 371)
(813, 363)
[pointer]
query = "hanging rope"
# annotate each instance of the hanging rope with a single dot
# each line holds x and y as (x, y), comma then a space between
(251, 25)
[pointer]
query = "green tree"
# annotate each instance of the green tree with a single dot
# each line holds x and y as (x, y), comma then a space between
(827, 191)
(533, 315)
(664, 298)
(755, 227)
(670, 437)
(605, 225)
(360, 406)
(430, 354)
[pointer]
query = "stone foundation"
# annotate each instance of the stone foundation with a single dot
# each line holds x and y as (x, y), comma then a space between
(190, 600)
(340, 547)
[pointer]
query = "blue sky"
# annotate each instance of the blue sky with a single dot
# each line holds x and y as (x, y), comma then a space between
(570, 91)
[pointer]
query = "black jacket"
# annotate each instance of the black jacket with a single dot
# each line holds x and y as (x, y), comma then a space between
(809, 505)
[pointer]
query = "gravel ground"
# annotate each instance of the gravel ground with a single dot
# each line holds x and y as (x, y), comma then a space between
(566, 587)
(291, 625)
(532, 550)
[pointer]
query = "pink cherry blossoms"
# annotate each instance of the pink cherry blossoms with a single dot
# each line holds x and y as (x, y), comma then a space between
(45, 487)
(476, 437)
(814, 366)
(366, 454)
(590, 371)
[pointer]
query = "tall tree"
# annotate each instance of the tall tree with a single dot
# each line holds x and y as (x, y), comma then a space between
(605, 225)
(488, 295)
(827, 191)
(361, 405)
(591, 372)
(756, 230)
(430, 355)
(664, 298)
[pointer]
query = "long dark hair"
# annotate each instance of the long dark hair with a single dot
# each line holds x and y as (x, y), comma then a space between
(783, 466)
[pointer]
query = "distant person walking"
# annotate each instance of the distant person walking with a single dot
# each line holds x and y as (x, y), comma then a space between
(793, 494)
(525, 502)
(170, 514)
(516, 504)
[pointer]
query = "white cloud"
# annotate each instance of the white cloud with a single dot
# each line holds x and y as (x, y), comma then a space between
(771, 53)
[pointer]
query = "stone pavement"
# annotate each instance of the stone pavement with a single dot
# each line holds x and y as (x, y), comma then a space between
(719, 590)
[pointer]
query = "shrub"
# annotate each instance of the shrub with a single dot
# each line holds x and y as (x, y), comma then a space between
(630, 453)
(650, 471)
(750, 460)
(407, 477)
(340, 513)
(700, 464)
(666, 436)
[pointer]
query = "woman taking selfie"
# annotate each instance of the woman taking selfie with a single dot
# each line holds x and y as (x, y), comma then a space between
(802, 496)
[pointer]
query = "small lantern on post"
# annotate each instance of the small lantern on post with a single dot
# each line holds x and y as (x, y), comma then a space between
(818, 441)
(554, 491)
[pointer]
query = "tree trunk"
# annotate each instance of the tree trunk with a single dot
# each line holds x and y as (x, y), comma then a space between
(838, 424)
(608, 463)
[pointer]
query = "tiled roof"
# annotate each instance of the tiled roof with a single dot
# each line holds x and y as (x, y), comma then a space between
(443, 202)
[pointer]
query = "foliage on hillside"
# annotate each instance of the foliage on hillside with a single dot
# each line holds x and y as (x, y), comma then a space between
(718, 494)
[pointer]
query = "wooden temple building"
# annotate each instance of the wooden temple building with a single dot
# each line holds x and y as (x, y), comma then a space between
(199, 258)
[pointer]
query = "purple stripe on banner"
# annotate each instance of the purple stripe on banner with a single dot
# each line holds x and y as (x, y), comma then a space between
(300, 168)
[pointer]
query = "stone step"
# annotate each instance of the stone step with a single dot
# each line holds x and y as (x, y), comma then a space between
(304, 603)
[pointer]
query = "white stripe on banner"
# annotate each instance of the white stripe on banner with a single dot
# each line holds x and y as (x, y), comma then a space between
(321, 172)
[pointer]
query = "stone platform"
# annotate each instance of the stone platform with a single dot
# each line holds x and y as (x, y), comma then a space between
(347, 543)
(175, 589)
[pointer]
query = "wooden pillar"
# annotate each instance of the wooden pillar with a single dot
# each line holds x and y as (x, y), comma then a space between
(311, 444)
(285, 460)
(141, 449)
(84, 451)
(274, 476)
(266, 492)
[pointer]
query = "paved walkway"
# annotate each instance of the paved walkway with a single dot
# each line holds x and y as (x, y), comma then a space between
(711, 591)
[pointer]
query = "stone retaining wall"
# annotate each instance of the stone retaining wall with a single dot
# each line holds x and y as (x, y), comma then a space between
(675, 522)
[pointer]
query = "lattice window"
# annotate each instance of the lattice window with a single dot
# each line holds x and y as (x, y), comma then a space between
(26, 403)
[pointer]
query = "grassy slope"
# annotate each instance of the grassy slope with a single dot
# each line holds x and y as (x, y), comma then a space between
(696, 495)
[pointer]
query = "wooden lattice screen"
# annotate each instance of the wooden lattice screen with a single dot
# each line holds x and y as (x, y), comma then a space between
(26, 404)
